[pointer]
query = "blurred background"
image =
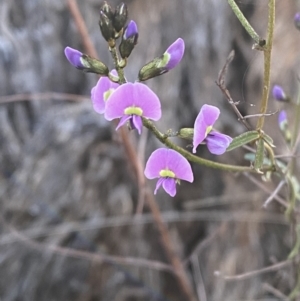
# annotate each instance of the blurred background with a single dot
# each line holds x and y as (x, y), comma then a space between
(65, 180)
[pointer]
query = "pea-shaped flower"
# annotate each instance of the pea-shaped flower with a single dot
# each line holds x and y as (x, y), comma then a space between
(131, 102)
(101, 92)
(278, 93)
(169, 167)
(216, 142)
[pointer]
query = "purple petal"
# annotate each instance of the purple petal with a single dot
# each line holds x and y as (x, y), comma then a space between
(123, 120)
(179, 165)
(217, 143)
(99, 93)
(282, 120)
(163, 158)
(174, 53)
(156, 163)
(130, 30)
(169, 186)
(297, 20)
(278, 93)
(206, 118)
(73, 57)
(133, 94)
(137, 123)
(158, 184)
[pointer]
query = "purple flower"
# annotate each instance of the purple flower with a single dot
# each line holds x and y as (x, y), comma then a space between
(173, 55)
(278, 93)
(130, 102)
(297, 20)
(102, 91)
(169, 167)
(216, 142)
(74, 57)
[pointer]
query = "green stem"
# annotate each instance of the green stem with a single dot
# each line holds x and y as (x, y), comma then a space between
(267, 64)
(244, 21)
(114, 54)
(166, 141)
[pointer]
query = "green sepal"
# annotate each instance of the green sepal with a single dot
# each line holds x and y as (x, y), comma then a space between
(93, 65)
(259, 155)
(186, 133)
(243, 139)
(152, 69)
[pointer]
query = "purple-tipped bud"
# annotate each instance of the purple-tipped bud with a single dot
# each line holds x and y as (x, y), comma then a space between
(74, 57)
(165, 63)
(130, 31)
(282, 119)
(129, 39)
(278, 93)
(284, 126)
(297, 20)
(173, 54)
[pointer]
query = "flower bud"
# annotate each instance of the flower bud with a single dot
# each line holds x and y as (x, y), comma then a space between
(106, 27)
(84, 62)
(283, 125)
(74, 57)
(129, 39)
(186, 133)
(297, 20)
(108, 11)
(163, 64)
(278, 93)
(120, 17)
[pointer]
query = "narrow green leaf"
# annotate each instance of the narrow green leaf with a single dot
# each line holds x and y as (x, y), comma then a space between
(259, 155)
(243, 139)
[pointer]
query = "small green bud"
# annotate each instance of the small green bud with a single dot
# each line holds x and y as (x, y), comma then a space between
(186, 133)
(107, 9)
(93, 65)
(106, 27)
(120, 17)
(129, 39)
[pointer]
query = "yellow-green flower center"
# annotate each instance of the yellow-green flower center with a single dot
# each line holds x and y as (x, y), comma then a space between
(107, 94)
(166, 173)
(133, 111)
(208, 130)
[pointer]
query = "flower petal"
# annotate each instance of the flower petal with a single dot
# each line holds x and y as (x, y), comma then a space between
(163, 158)
(73, 57)
(158, 184)
(137, 123)
(123, 120)
(156, 163)
(206, 118)
(175, 53)
(133, 94)
(217, 143)
(169, 185)
(101, 92)
(180, 166)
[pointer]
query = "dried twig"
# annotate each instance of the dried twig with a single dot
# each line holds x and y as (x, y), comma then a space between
(222, 85)
(274, 194)
(251, 274)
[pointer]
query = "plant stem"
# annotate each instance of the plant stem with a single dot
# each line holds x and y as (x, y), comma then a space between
(267, 64)
(244, 21)
(114, 54)
(164, 139)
